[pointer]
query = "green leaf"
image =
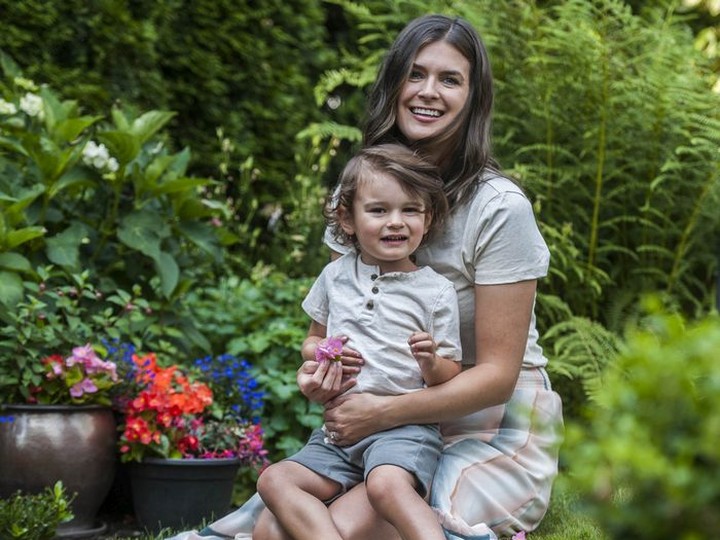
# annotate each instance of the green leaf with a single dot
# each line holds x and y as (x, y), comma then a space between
(13, 145)
(11, 288)
(22, 200)
(68, 130)
(15, 262)
(122, 146)
(75, 177)
(179, 185)
(63, 249)
(20, 236)
(9, 67)
(149, 124)
(143, 231)
(203, 236)
(168, 271)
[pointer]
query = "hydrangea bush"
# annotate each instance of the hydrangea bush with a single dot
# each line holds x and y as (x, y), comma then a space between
(103, 194)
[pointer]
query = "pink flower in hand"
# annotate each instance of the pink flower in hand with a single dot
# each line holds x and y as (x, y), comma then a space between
(329, 349)
(519, 536)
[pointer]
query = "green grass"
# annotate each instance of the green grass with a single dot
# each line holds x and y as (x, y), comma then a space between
(564, 521)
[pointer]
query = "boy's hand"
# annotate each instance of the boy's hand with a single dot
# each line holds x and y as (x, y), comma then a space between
(422, 347)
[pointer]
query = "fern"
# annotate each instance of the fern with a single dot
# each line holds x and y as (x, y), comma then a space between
(581, 348)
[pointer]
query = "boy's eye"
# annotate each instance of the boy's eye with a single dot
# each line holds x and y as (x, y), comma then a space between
(412, 210)
(376, 210)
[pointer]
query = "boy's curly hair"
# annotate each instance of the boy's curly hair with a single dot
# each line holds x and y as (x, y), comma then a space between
(417, 177)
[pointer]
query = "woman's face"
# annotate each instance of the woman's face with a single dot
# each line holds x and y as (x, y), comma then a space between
(435, 91)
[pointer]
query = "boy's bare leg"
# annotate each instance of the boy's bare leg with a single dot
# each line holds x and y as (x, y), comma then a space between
(391, 492)
(295, 495)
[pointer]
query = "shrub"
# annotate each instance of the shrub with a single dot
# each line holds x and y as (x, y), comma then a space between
(260, 318)
(646, 456)
(34, 516)
(83, 193)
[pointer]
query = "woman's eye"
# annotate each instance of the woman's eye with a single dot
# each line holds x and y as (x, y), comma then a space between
(415, 75)
(451, 81)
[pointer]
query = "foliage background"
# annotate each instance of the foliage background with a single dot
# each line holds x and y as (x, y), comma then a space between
(605, 111)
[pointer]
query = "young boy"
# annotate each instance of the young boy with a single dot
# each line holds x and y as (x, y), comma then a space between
(403, 320)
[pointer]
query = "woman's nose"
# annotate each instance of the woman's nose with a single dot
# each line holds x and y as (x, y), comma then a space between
(428, 89)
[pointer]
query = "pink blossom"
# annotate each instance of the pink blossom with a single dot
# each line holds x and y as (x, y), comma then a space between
(86, 386)
(87, 357)
(329, 349)
(84, 355)
(519, 536)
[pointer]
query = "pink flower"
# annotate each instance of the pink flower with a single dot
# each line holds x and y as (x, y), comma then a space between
(86, 386)
(519, 536)
(82, 355)
(329, 349)
(86, 357)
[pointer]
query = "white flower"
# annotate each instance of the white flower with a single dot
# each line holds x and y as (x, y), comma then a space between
(334, 102)
(7, 107)
(31, 104)
(97, 155)
(112, 164)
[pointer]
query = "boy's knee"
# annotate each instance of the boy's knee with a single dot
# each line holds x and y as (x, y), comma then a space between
(270, 480)
(387, 482)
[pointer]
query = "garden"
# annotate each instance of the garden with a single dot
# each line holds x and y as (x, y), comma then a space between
(162, 168)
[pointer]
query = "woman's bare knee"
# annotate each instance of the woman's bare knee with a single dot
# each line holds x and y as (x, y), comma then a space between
(356, 519)
(268, 528)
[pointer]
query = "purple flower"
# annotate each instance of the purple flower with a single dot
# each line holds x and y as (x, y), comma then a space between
(329, 349)
(86, 357)
(86, 386)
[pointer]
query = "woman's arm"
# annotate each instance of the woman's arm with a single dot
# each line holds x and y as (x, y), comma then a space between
(502, 321)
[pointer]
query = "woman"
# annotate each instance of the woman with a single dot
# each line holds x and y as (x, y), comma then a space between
(501, 421)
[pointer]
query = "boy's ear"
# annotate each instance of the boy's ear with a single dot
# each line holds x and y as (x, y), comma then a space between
(428, 221)
(345, 220)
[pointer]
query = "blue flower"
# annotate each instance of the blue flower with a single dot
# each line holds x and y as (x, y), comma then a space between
(233, 384)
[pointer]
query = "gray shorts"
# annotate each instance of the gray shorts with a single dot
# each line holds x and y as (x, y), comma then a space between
(415, 448)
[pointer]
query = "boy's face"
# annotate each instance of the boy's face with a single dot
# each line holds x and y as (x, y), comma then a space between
(388, 223)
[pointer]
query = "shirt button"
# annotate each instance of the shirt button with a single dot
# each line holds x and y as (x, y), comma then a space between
(374, 277)
(375, 290)
(370, 304)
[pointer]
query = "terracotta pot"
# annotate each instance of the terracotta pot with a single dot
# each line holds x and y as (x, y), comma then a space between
(181, 493)
(75, 444)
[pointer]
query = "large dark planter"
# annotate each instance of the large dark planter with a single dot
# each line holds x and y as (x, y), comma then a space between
(181, 493)
(75, 444)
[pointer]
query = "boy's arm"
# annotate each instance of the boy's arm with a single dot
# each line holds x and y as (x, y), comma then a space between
(435, 369)
(316, 333)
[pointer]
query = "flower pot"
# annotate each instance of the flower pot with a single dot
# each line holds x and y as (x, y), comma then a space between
(75, 444)
(181, 493)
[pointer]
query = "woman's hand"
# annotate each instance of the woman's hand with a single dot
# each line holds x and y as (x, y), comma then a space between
(355, 416)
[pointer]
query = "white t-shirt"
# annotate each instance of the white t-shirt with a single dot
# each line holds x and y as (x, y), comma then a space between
(492, 239)
(379, 313)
